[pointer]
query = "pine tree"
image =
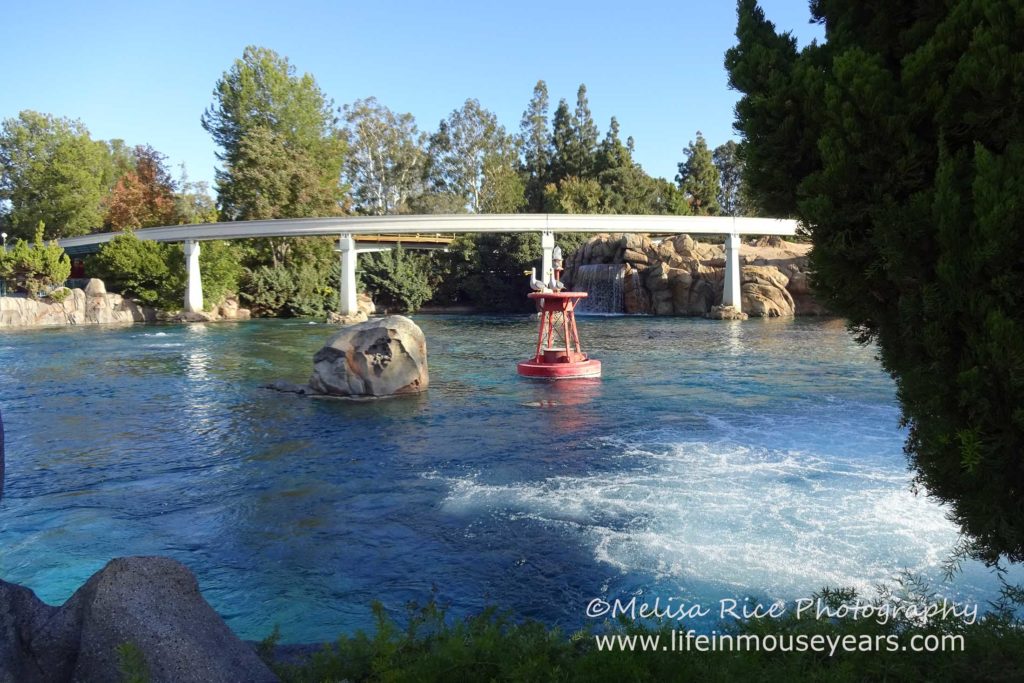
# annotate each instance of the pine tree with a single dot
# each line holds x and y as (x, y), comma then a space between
(536, 144)
(583, 151)
(573, 140)
(561, 143)
(698, 178)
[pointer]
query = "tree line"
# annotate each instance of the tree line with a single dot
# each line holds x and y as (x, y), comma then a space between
(286, 151)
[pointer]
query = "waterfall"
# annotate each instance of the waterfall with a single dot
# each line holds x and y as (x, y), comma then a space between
(605, 284)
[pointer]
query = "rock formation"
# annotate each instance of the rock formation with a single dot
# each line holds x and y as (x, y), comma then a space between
(365, 307)
(228, 310)
(382, 357)
(93, 305)
(149, 604)
(681, 276)
(89, 306)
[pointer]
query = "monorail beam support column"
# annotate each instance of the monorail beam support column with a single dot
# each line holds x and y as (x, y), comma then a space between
(547, 245)
(194, 292)
(733, 295)
(347, 248)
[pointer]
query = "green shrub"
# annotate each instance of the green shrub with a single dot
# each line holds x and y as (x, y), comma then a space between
(492, 647)
(316, 290)
(221, 270)
(396, 279)
(151, 272)
(296, 290)
(35, 268)
(156, 275)
(267, 289)
(132, 663)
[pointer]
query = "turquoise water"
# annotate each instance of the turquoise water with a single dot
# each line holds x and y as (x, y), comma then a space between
(713, 459)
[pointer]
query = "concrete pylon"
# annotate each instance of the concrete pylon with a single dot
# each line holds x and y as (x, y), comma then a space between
(547, 245)
(732, 295)
(194, 292)
(347, 288)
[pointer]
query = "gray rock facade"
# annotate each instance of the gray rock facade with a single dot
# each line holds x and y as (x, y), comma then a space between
(152, 604)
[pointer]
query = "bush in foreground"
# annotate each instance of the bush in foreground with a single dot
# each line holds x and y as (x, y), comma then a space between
(491, 647)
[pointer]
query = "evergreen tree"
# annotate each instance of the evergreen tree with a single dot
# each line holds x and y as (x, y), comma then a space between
(776, 117)
(536, 145)
(730, 174)
(265, 114)
(899, 144)
(270, 178)
(36, 267)
(575, 195)
(698, 178)
(612, 153)
(573, 140)
(583, 150)
(561, 143)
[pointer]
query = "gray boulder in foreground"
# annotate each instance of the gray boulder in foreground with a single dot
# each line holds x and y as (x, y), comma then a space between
(151, 603)
(382, 357)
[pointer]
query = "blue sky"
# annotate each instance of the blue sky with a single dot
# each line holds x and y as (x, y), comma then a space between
(144, 72)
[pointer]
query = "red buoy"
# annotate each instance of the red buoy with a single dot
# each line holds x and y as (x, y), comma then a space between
(558, 354)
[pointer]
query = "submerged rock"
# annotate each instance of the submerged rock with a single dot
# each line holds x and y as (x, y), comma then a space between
(725, 313)
(383, 357)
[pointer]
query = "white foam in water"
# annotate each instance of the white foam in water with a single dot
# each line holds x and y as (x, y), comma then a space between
(780, 523)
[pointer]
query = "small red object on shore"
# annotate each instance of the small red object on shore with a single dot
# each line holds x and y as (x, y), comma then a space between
(558, 354)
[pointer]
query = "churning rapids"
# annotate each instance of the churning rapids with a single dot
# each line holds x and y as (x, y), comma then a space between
(712, 460)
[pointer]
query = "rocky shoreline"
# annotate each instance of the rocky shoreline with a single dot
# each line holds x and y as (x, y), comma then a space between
(93, 305)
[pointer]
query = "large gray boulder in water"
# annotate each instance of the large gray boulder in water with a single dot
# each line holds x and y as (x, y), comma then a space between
(383, 357)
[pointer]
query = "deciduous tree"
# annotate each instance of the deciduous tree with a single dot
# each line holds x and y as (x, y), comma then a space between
(143, 196)
(470, 153)
(386, 157)
(52, 171)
